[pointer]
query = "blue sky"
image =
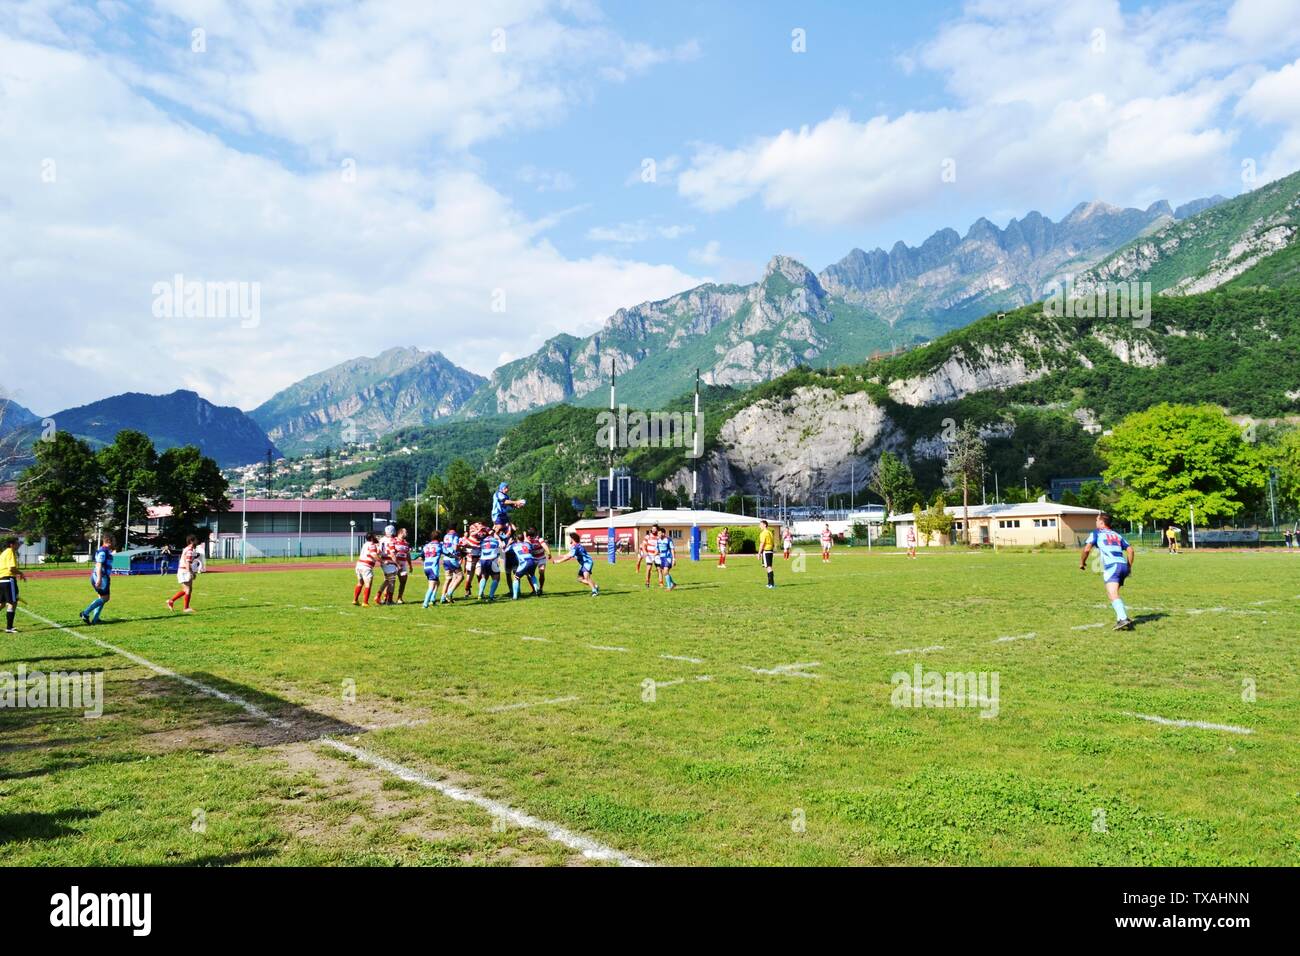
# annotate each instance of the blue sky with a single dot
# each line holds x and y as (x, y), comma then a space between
(385, 176)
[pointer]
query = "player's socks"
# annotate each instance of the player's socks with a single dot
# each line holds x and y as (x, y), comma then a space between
(1121, 612)
(428, 595)
(356, 593)
(514, 590)
(9, 619)
(532, 579)
(492, 589)
(770, 583)
(365, 596)
(482, 583)
(176, 597)
(187, 602)
(95, 610)
(671, 583)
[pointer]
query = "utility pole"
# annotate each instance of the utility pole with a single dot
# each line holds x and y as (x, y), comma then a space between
(436, 508)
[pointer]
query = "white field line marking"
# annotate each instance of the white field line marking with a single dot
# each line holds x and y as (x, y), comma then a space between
(668, 683)
(1087, 627)
(952, 695)
(588, 847)
(1015, 637)
(675, 657)
(528, 703)
(544, 640)
(1201, 724)
(601, 647)
(475, 630)
(251, 709)
(919, 650)
(787, 670)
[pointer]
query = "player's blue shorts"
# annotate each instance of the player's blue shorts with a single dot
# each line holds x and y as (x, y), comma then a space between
(431, 571)
(1116, 573)
(451, 564)
(102, 591)
(584, 567)
(487, 567)
(525, 568)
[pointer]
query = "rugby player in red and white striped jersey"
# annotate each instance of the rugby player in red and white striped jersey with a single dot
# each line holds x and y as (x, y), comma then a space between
(402, 554)
(185, 575)
(366, 561)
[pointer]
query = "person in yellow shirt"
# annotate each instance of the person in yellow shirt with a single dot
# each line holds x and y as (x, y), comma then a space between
(10, 575)
(766, 550)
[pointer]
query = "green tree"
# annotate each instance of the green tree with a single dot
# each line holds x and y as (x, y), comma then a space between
(466, 496)
(668, 500)
(1171, 458)
(966, 455)
(130, 467)
(192, 485)
(1285, 456)
(735, 504)
(60, 495)
(892, 480)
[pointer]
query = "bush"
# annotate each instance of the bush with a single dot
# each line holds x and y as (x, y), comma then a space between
(743, 540)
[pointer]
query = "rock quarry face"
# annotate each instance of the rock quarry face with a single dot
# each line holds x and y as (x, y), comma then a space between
(961, 375)
(814, 442)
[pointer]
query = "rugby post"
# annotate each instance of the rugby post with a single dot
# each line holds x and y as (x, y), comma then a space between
(697, 442)
(609, 500)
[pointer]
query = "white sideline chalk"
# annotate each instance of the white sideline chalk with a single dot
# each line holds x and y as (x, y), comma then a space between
(787, 670)
(592, 849)
(544, 640)
(1087, 627)
(919, 650)
(675, 657)
(601, 647)
(1015, 637)
(1199, 724)
(251, 709)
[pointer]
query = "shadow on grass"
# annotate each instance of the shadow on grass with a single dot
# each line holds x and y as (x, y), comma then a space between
(41, 826)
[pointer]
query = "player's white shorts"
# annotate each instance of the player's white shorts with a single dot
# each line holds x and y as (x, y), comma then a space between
(390, 570)
(365, 573)
(185, 577)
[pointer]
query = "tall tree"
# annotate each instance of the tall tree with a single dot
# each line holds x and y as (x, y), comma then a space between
(130, 467)
(1285, 456)
(1171, 458)
(466, 495)
(192, 484)
(966, 454)
(892, 480)
(61, 494)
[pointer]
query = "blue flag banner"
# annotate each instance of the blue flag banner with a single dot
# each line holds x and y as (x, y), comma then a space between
(695, 542)
(612, 546)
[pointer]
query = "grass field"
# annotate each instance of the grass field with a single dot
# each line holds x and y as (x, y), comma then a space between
(719, 724)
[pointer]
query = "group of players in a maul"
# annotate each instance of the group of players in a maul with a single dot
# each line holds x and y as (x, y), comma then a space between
(451, 559)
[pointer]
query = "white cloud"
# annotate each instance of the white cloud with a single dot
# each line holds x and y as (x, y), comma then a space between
(638, 231)
(395, 257)
(1052, 102)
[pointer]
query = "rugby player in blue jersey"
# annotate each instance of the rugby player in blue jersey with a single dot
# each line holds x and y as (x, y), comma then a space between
(489, 564)
(1116, 565)
(526, 567)
(585, 564)
(101, 578)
